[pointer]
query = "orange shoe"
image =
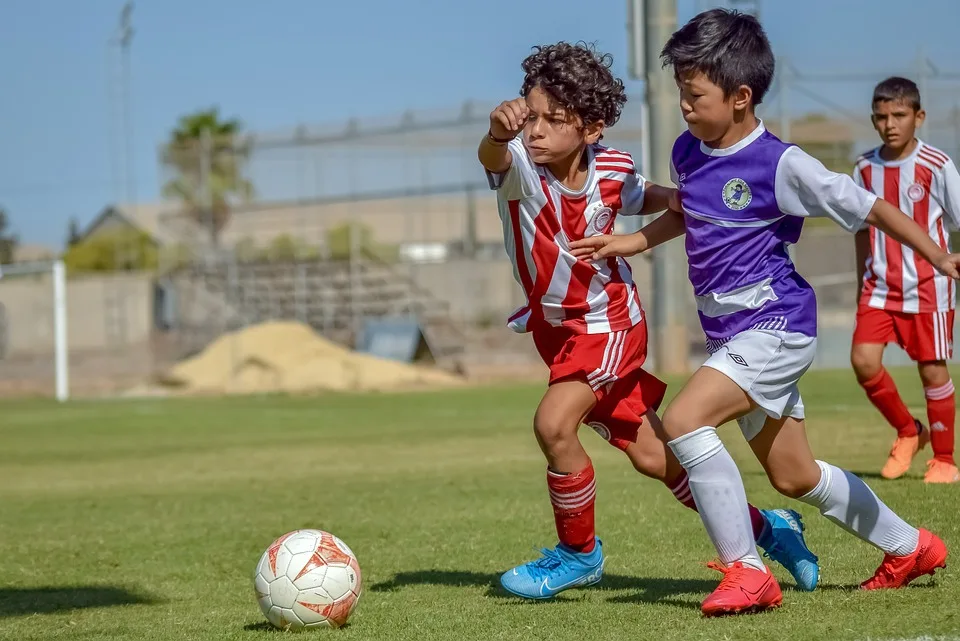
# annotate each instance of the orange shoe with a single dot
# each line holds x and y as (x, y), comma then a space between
(940, 472)
(743, 589)
(898, 571)
(903, 451)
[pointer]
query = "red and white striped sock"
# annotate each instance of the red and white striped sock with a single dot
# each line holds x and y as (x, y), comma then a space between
(681, 491)
(941, 412)
(573, 497)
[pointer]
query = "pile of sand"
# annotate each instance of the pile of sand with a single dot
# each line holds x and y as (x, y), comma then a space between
(290, 357)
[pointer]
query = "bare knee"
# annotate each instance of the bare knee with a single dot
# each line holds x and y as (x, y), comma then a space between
(934, 373)
(865, 364)
(679, 420)
(555, 430)
(648, 459)
(795, 483)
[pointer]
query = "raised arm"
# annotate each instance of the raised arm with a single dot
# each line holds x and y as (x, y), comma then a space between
(900, 227)
(804, 187)
(506, 121)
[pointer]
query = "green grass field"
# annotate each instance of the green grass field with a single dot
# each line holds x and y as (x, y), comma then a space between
(144, 519)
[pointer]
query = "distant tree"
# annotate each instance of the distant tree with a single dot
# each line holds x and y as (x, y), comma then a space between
(8, 240)
(340, 245)
(228, 156)
(109, 251)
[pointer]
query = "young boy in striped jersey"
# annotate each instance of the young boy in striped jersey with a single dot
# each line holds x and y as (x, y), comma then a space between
(555, 184)
(903, 300)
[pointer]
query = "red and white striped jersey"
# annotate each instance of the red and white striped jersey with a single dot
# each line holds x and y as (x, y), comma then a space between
(541, 216)
(925, 186)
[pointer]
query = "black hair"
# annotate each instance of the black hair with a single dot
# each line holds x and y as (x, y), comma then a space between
(896, 89)
(729, 47)
(578, 78)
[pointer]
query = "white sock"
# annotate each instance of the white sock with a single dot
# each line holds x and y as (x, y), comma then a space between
(718, 492)
(847, 501)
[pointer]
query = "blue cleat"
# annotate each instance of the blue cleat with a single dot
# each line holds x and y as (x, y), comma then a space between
(557, 570)
(782, 541)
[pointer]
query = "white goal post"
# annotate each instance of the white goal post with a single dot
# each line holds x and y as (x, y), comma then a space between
(59, 298)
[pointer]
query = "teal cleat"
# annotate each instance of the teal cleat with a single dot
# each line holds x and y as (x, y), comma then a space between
(557, 570)
(782, 541)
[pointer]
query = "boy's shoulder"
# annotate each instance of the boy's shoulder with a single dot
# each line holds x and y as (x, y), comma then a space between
(603, 154)
(868, 157)
(926, 154)
(932, 157)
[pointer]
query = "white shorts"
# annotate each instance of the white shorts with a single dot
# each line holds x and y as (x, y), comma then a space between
(767, 365)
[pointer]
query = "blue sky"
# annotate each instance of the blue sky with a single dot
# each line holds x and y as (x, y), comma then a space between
(276, 64)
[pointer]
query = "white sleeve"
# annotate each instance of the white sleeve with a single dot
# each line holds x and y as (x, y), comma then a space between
(858, 181)
(520, 180)
(804, 187)
(674, 176)
(947, 192)
(634, 190)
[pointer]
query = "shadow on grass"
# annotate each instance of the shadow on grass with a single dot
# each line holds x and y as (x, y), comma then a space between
(875, 476)
(264, 626)
(47, 600)
(647, 589)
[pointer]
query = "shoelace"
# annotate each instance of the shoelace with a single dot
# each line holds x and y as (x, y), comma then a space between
(545, 565)
(885, 571)
(727, 583)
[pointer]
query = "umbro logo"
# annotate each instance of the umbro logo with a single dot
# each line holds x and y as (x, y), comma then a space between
(938, 427)
(739, 360)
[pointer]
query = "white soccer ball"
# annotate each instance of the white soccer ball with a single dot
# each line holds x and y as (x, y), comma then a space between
(307, 579)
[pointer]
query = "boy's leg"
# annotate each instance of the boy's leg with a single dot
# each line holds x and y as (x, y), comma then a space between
(578, 559)
(570, 478)
(779, 532)
(583, 369)
(783, 451)
(941, 414)
(931, 345)
(874, 329)
(709, 399)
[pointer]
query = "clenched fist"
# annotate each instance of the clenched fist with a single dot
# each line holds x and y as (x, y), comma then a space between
(508, 119)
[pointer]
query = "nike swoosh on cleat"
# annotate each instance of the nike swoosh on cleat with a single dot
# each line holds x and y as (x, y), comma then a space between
(755, 594)
(585, 579)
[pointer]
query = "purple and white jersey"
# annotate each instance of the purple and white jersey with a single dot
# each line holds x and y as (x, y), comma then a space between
(743, 206)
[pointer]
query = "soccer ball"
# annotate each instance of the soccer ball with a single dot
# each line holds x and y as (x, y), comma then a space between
(307, 579)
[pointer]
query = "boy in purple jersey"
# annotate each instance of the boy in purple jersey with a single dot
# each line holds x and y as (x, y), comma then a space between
(745, 194)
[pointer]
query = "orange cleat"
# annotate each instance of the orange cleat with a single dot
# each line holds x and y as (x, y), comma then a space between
(743, 589)
(903, 451)
(898, 571)
(940, 472)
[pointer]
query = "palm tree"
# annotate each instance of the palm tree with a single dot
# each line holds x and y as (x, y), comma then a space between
(203, 133)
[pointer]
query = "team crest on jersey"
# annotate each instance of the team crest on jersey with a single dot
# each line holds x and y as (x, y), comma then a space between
(916, 192)
(601, 218)
(600, 429)
(737, 194)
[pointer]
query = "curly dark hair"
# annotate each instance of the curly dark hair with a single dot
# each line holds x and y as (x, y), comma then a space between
(578, 78)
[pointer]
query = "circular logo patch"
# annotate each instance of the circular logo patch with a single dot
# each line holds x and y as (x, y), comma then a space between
(916, 192)
(737, 194)
(601, 219)
(600, 429)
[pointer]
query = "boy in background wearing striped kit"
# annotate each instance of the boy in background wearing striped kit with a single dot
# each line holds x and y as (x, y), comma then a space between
(903, 300)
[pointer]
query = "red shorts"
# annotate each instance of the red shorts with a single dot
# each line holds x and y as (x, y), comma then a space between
(612, 365)
(927, 336)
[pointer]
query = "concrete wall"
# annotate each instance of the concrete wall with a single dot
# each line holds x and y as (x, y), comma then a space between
(102, 312)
